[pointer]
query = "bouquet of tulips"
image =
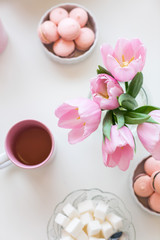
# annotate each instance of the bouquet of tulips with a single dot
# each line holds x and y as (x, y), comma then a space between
(83, 115)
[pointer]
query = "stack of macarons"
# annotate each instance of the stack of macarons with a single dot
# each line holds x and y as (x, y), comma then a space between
(66, 31)
(147, 184)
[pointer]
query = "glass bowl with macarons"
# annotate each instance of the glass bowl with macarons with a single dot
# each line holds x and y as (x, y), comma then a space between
(91, 214)
(68, 33)
(145, 185)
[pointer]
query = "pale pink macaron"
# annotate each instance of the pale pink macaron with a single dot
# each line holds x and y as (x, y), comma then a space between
(63, 48)
(69, 29)
(47, 32)
(155, 181)
(80, 15)
(151, 165)
(85, 39)
(57, 14)
(142, 186)
(154, 202)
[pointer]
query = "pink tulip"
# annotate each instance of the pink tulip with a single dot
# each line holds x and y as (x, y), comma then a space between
(120, 149)
(149, 135)
(125, 60)
(82, 115)
(105, 91)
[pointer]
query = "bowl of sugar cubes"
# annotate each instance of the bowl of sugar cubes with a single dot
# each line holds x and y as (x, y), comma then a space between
(68, 33)
(91, 214)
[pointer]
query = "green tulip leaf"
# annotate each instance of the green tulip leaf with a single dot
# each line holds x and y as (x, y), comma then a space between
(135, 118)
(107, 124)
(151, 120)
(127, 101)
(135, 85)
(102, 70)
(146, 109)
(120, 118)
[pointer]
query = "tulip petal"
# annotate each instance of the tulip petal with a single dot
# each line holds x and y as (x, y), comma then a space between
(155, 115)
(127, 154)
(106, 50)
(63, 109)
(156, 151)
(76, 135)
(124, 74)
(119, 48)
(127, 135)
(70, 120)
(111, 64)
(145, 133)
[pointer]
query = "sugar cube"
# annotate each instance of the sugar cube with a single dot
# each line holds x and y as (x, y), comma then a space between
(61, 220)
(86, 206)
(66, 238)
(93, 228)
(107, 229)
(70, 211)
(115, 221)
(101, 211)
(82, 236)
(74, 227)
(86, 218)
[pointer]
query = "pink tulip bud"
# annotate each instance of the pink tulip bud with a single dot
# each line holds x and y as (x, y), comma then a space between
(125, 60)
(120, 149)
(81, 115)
(149, 135)
(105, 91)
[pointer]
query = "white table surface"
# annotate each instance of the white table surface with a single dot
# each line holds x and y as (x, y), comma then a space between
(32, 86)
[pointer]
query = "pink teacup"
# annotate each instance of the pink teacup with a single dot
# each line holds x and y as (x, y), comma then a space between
(28, 144)
(3, 38)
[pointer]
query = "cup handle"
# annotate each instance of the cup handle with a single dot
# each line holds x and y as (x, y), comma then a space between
(4, 160)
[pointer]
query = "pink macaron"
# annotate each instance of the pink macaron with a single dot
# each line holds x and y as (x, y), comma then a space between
(154, 202)
(142, 186)
(80, 15)
(47, 32)
(63, 48)
(151, 165)
(69, 29)
(155, 181)
(57, 14)
(85, 39)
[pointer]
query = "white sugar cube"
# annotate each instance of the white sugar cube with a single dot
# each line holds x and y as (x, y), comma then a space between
(101, 211)
(62, 220)
(86, 206)
(93, 228)
(93, 238)
(70, 211)
(82, 236)
(66, 238)
(86, 218)
(115, 220)
(64, 233)
(74, 227)
(107, 230)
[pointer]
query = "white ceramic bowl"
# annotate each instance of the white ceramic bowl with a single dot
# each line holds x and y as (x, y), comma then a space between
(76, 56)
(115, 205)
(141, 202)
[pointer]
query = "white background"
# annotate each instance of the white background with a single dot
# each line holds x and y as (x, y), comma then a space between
(32, 86)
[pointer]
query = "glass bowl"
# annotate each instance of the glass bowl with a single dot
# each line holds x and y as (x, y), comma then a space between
(115, 205)
(77, 56)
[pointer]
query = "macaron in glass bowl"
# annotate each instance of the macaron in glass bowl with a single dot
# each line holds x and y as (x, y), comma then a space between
(144, 185)
(68, 33)
(114, 203)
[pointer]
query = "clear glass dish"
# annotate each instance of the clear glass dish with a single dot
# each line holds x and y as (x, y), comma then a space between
(115, 205)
